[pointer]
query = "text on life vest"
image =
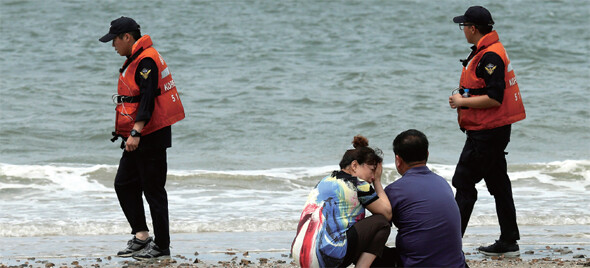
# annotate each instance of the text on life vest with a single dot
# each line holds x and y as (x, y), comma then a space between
(169, 85)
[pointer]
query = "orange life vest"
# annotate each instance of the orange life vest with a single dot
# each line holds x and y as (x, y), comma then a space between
(167, 106)
(512, 108)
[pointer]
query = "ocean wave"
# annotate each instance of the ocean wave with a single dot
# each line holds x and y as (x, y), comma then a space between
(57, 199)
(50, 177)
(566, 166)
(572, 174)
(93, 227)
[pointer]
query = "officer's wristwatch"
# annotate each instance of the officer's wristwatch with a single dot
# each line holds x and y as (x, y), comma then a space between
(135, 133)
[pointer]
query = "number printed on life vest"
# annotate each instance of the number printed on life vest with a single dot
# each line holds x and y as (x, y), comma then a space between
(516, 96)
(174, 97)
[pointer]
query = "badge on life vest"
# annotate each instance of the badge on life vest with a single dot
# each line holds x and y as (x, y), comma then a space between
(490, 68)
(145, 73)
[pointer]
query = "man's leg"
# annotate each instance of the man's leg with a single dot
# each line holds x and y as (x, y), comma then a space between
(500, 187)
(498, 184)
(464, 181)
(153, 181)
(506, 212)
(128, 189)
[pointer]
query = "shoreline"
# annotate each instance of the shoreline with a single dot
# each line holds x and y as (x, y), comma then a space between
(265, 249)
(181, 261)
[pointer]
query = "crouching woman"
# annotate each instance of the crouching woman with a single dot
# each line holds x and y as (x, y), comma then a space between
(333, 230)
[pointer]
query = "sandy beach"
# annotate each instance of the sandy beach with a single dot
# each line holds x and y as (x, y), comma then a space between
(242, 249)
(264, 262)
(273, 93)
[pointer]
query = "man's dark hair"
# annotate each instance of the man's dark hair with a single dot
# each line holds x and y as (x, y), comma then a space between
(411, 145)
(135, 34)
(484, 29)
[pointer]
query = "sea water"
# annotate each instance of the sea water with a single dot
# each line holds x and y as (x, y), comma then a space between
(274, 91)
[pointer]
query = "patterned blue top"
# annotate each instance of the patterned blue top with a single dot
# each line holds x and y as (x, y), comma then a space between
(335, 204)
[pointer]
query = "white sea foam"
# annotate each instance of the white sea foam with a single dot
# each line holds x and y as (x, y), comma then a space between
(52, 177)
(283, 173)
(236, 224)
(75, 177)
(73, 199)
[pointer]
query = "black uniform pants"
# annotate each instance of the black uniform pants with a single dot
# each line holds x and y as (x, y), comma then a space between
(483, 157)
(144, 172)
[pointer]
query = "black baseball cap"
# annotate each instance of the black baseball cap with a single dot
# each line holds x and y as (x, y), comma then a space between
(477, 15)
(119, 26)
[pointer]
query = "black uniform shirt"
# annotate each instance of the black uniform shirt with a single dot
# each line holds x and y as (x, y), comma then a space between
(491, 69)
(146, 77)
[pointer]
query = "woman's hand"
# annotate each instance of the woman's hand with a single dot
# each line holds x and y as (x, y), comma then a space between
(378, 172)
(381, 205)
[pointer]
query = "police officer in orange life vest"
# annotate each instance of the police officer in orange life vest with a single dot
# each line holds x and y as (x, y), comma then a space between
(488, 103)
(147, 105)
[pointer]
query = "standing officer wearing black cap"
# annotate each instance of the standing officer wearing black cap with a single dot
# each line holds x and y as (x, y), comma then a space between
(147, 105)
(488, 103)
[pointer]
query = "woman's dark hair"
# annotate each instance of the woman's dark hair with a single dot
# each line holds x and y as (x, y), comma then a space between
(362, 153)
(411, 145)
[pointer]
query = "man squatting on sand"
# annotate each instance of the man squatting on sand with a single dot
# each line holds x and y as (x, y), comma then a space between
(424, 211)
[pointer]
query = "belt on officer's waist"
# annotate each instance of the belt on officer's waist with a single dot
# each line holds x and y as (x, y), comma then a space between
(128, 99)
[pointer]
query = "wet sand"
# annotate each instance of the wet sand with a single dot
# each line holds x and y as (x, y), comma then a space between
(274, 263)
(254, 249)
(243, 259)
